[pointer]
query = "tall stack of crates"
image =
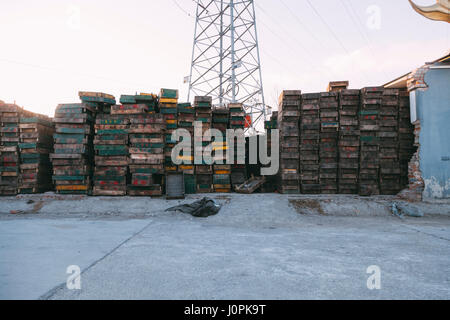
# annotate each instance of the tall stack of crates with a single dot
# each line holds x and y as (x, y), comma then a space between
(389, 143)
(36, 144)
(288, 121)
(186, 119)
(73, 155)
(349, 141)
(222, 170)
(272, 124)
(146, 163)
(100, 102)
(111, 158)
(149, 99)
(310, 134)
(237, 122)
(203, 171)
(406, 137)
(329, 135)
(168, 105)
(9, 151)
(369, 121)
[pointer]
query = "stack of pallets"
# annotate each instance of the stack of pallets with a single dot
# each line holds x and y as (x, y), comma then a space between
(310, 144)
(9, 152)
(150, 100)
(389, 143)
(203, 171)
(36, 144)
(329, 135)
(349, 141)
(146, 163)
(406, 137)
(111, 158)
(272, 124)
(73, 155)
(369, 121)
(288, 123)
(222, 169)
(237, 122)
(100, 102)
(337, 86)
(168, 105)
(186, 119)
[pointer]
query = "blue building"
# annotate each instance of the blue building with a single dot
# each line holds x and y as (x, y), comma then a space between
(429, 89)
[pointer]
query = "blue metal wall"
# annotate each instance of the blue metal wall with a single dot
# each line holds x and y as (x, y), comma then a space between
(433, 109)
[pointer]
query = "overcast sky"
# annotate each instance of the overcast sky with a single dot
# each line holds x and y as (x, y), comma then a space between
(51, 49)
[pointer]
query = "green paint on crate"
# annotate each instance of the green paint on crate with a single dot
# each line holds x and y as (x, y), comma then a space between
(109, 132)
(127, 99)
(69, 178)
(72, 131)
(111, 148)
(368, 113)
(112, 152)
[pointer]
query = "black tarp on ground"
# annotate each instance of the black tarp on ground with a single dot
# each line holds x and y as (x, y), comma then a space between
(201, 209)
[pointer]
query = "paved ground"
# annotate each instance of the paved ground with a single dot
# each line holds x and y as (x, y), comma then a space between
(257, 247)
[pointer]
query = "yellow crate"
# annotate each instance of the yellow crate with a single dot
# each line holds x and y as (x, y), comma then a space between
(149, 94)
(169, 101)
(185, 158)
(171, 121)
(186, 167)
(72, 188)
(222, 172)
(220, 148)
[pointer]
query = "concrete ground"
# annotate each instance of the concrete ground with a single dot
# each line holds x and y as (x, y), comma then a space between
(263, 246)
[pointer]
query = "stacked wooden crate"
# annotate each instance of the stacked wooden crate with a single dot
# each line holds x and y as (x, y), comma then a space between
(99, 101)
(406, 137)
(288, 123)
(36, 144)
(239, 172)
(146, 163)
(349, 141)
(337, 86)
(150, 100)
(9, 152)
(202, 141)
(111, 148)
(73, 155)
(186, 119)
(389, 144)
(222, 169)
(310, 144)
(272, 124)
(168, 105)
(329, 135)
(369, 121)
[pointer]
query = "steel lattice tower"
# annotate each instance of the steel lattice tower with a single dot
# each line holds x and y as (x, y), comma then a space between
(225, 57)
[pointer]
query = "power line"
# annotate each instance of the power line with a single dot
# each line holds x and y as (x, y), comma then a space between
(287, 33)
(328, 27)
(182, 9)
(302, 24)
(360, 29)
(65, 71)
(332, 33)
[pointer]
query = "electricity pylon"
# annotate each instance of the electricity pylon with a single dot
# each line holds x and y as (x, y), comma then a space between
(225, 57)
